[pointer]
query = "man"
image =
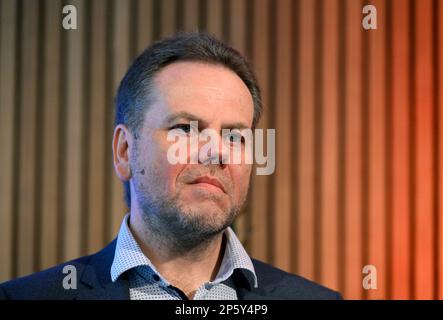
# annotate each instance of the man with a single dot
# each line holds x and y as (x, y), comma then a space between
(176, 242)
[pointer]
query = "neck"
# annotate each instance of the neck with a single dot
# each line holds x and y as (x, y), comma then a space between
(201, 263)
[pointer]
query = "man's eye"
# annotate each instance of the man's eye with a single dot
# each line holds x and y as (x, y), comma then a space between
(182, 126)
(234, 138)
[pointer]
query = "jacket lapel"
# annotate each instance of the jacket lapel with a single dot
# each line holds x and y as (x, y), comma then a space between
(96, 278)
(245, 289)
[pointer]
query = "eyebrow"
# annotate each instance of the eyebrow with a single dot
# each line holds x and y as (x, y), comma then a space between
(172, 118)
(181, 115)
(235, 125)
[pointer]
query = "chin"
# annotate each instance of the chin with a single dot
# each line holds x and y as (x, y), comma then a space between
(206, 208)
(208, 211)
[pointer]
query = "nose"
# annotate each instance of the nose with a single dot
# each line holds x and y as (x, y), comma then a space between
(212, 150)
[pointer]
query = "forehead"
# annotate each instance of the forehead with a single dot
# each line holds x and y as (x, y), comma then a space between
(208, 91)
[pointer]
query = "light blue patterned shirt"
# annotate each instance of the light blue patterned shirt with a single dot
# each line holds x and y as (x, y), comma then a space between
(146, 283)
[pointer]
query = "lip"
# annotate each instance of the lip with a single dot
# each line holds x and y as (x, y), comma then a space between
(210, 181)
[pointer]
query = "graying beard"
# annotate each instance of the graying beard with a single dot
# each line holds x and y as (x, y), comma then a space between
(178, 230)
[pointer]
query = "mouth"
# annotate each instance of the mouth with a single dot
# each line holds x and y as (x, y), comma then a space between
(209, 183)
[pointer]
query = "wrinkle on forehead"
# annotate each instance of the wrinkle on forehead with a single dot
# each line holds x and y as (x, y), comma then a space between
(184, 91)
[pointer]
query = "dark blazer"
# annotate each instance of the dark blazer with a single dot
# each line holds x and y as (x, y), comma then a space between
(94, 282)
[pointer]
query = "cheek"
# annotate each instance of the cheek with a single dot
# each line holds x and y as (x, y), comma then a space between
(240, 177)
(160, 172)
(165, 172)
(171, 174)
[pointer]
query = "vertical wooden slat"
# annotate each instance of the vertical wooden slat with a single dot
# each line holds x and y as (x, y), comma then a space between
(439, 91)
(120, 55)
(400, 143)
(51, 109)
(237, 28)
(329, 194)
(8, 36)
(190, 15)
(97, 115)
(237, 37)
(74, 129)
(424, 276)
(306, 140)
(282, 111)
(377, 186)
(145, 24)
(28, 109)
(214, 13)
(259, 190)
(353, 153)
(168, 8)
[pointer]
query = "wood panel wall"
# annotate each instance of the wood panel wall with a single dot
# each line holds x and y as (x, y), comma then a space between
(358, 117)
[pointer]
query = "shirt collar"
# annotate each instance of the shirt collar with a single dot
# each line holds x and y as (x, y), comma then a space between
(235, 257)
(128, 255)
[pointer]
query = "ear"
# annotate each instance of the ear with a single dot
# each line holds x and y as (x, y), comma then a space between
(120, 146)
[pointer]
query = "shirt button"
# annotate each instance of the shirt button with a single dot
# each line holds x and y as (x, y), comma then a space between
(156, 277)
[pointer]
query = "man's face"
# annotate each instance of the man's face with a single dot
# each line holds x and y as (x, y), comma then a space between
(191, 198)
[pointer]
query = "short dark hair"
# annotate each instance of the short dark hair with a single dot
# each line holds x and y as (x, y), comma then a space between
(134, 92)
